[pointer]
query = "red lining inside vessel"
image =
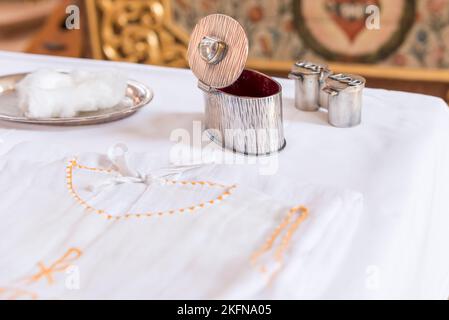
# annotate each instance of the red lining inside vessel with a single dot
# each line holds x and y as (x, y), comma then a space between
(253, 84)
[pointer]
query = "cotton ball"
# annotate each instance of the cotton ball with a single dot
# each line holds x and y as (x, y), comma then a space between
(39, 93)
(48, 79)
(104, 88)
(49, 94)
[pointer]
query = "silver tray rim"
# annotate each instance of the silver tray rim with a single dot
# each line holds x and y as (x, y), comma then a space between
(146, 93)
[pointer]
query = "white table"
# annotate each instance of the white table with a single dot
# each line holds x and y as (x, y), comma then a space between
(398, 159)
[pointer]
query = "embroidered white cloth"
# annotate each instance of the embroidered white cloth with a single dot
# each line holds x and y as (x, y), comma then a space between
(194, 254)
(397, 159)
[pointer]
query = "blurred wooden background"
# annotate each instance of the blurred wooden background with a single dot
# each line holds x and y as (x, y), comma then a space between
(157, 32)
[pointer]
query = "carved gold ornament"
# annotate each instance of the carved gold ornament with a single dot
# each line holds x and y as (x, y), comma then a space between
(136, 31)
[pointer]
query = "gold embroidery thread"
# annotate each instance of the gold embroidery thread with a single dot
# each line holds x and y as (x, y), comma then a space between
(71, 188)
(59, 265)
(16, 294)
(284, 242)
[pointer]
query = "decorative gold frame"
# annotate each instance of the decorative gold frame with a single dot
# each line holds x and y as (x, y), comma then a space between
(136, 31)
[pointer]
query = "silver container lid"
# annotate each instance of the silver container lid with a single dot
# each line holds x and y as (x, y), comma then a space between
(340, 82)
(303, 68)
(218, 50)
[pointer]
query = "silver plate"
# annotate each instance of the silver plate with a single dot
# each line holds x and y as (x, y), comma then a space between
(138, 93)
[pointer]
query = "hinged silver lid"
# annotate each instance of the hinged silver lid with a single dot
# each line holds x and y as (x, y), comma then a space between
(218, 50)
(302, 68)
(339, 82)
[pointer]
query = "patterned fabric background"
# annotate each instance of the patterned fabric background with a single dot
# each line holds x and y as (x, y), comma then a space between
(273, 31)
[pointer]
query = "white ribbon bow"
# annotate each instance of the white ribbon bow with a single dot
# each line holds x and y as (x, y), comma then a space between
(117, 154)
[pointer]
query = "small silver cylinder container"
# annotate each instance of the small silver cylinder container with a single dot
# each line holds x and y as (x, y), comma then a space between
(309, 80)
(243, 108)
(345, 92)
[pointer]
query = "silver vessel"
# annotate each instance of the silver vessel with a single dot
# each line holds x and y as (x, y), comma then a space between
(345, 92)
(309, 82)
(243, 108)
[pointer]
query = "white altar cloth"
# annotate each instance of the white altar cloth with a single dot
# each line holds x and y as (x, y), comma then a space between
(397, 160)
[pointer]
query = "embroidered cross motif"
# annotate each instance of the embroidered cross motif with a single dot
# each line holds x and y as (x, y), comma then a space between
(291, 223)
(59, 265)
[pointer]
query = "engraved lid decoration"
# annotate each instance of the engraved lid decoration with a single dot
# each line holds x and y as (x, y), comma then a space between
(343, 81)
(308, 68)
(218, 50)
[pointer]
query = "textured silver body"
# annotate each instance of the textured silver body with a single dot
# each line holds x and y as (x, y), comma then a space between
(309, 82)
(345, 94)
(307, 92)
(246, 125)
(345, 108)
